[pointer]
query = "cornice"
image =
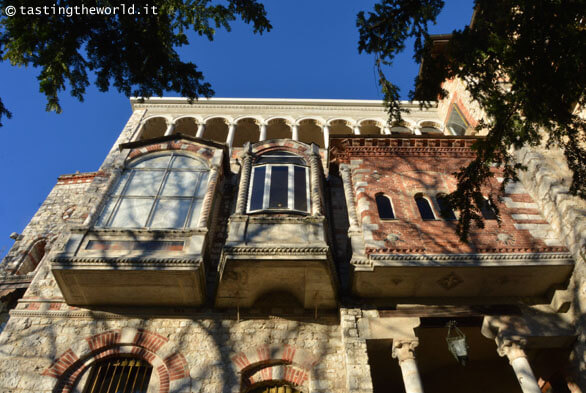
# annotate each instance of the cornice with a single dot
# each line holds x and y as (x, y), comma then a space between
(157, 233)
(471, 260)
(275, 250)
(135, 261)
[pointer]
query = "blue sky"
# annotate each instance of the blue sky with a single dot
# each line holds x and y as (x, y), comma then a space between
(310, 53)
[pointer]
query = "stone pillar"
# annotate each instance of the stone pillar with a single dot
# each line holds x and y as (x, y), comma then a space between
(356, 130)
(326, 131)
(315, 173)
(242, 198)
(209, 197)
(513, 349)
(200, 129)
(170, 128)
(295, 132)
(417, 131)
(230, 137)
(263, 132)
(404, 352)
(386, 130)
(349, 194)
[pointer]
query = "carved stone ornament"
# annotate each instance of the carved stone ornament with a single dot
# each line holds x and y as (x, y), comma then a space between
(450, 281)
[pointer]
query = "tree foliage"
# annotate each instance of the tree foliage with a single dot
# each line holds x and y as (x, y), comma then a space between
(523, 62)
(135, 53)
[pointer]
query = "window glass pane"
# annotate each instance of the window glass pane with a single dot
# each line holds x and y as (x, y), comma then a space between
(144, 183)
(186, 162)
(424, 208)
(153, 162)
(385, 209)
(280, 157)
(445, 211)
(132, 213)
(108, 207)
(202, 184)
(300, 184)
(121, 182)
(170, 213)
(258, 186)
(279, 191)
(195, 212)
(180, 183)
(456, 122)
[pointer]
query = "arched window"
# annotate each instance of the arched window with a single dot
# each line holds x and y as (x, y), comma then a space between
(120, 375)
(280, 182)
(33, 257)
(457, 124)
(385, 208)
(424, 207)
(446, 212)
(488, 210)
(159, 191)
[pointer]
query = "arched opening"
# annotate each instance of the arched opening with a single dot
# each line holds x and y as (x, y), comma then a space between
(311, 132)
(186, 126)
(430, 127)
(445, 210)
(119, 374)
(340, 127)
(278, 129)
(400, 128)
(33, 257)
(424, 207)
(370, 127)
(154, 127)
(384, 206)
(247, 130)
(488, 210)
(274, 388)
(216, 130)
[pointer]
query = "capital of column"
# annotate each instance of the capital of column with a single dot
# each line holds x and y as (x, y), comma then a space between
(511, 347)
(404, 349)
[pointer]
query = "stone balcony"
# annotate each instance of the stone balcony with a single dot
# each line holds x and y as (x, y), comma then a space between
(284, 259)
(132, 267)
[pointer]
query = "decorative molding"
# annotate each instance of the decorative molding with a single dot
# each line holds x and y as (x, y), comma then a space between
(450, 281)
(64, 261)
(470, 260)
(275, 250)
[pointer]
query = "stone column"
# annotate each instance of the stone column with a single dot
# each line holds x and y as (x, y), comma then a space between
(242, 198)
(404, 352)
(295, 132)
(513, 349)
(326, 131)
(349, 194)
(230, 137)
(417, 131)
(200, 129)
(263, 132)
(209, 197)
(315, 174)
(386, 130)
(170, 128)
(356, 130)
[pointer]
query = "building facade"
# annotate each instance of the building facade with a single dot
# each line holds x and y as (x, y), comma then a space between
(259, 245)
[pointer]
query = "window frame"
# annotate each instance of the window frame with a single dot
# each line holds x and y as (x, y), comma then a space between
(429, 201)
(290, 184)
(117, 197)
(458, 112)
(438, 197)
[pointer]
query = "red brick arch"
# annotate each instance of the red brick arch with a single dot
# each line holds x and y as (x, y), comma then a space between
(279, 363)
(169, 366)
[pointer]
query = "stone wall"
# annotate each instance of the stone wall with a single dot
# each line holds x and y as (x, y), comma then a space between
(40, 349)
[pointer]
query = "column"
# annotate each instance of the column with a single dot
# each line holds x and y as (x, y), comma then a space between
(200, 129)
(356, 130)
(417, 131)
(295, 132)
(230, 137)
(242, 198)
(404, 352)
(513, 349)
(263, 132)
(326, 131)
(170, 128)
(209, 196)
(349, 194)
(386, 130)
(315, 174)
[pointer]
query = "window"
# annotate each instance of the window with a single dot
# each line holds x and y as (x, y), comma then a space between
(120, 375)
(488, 210)
(446, 212)
(385, 208)
(161, 191)
(424, 207)
(280, 181)
(457, 124)
(275, 389)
